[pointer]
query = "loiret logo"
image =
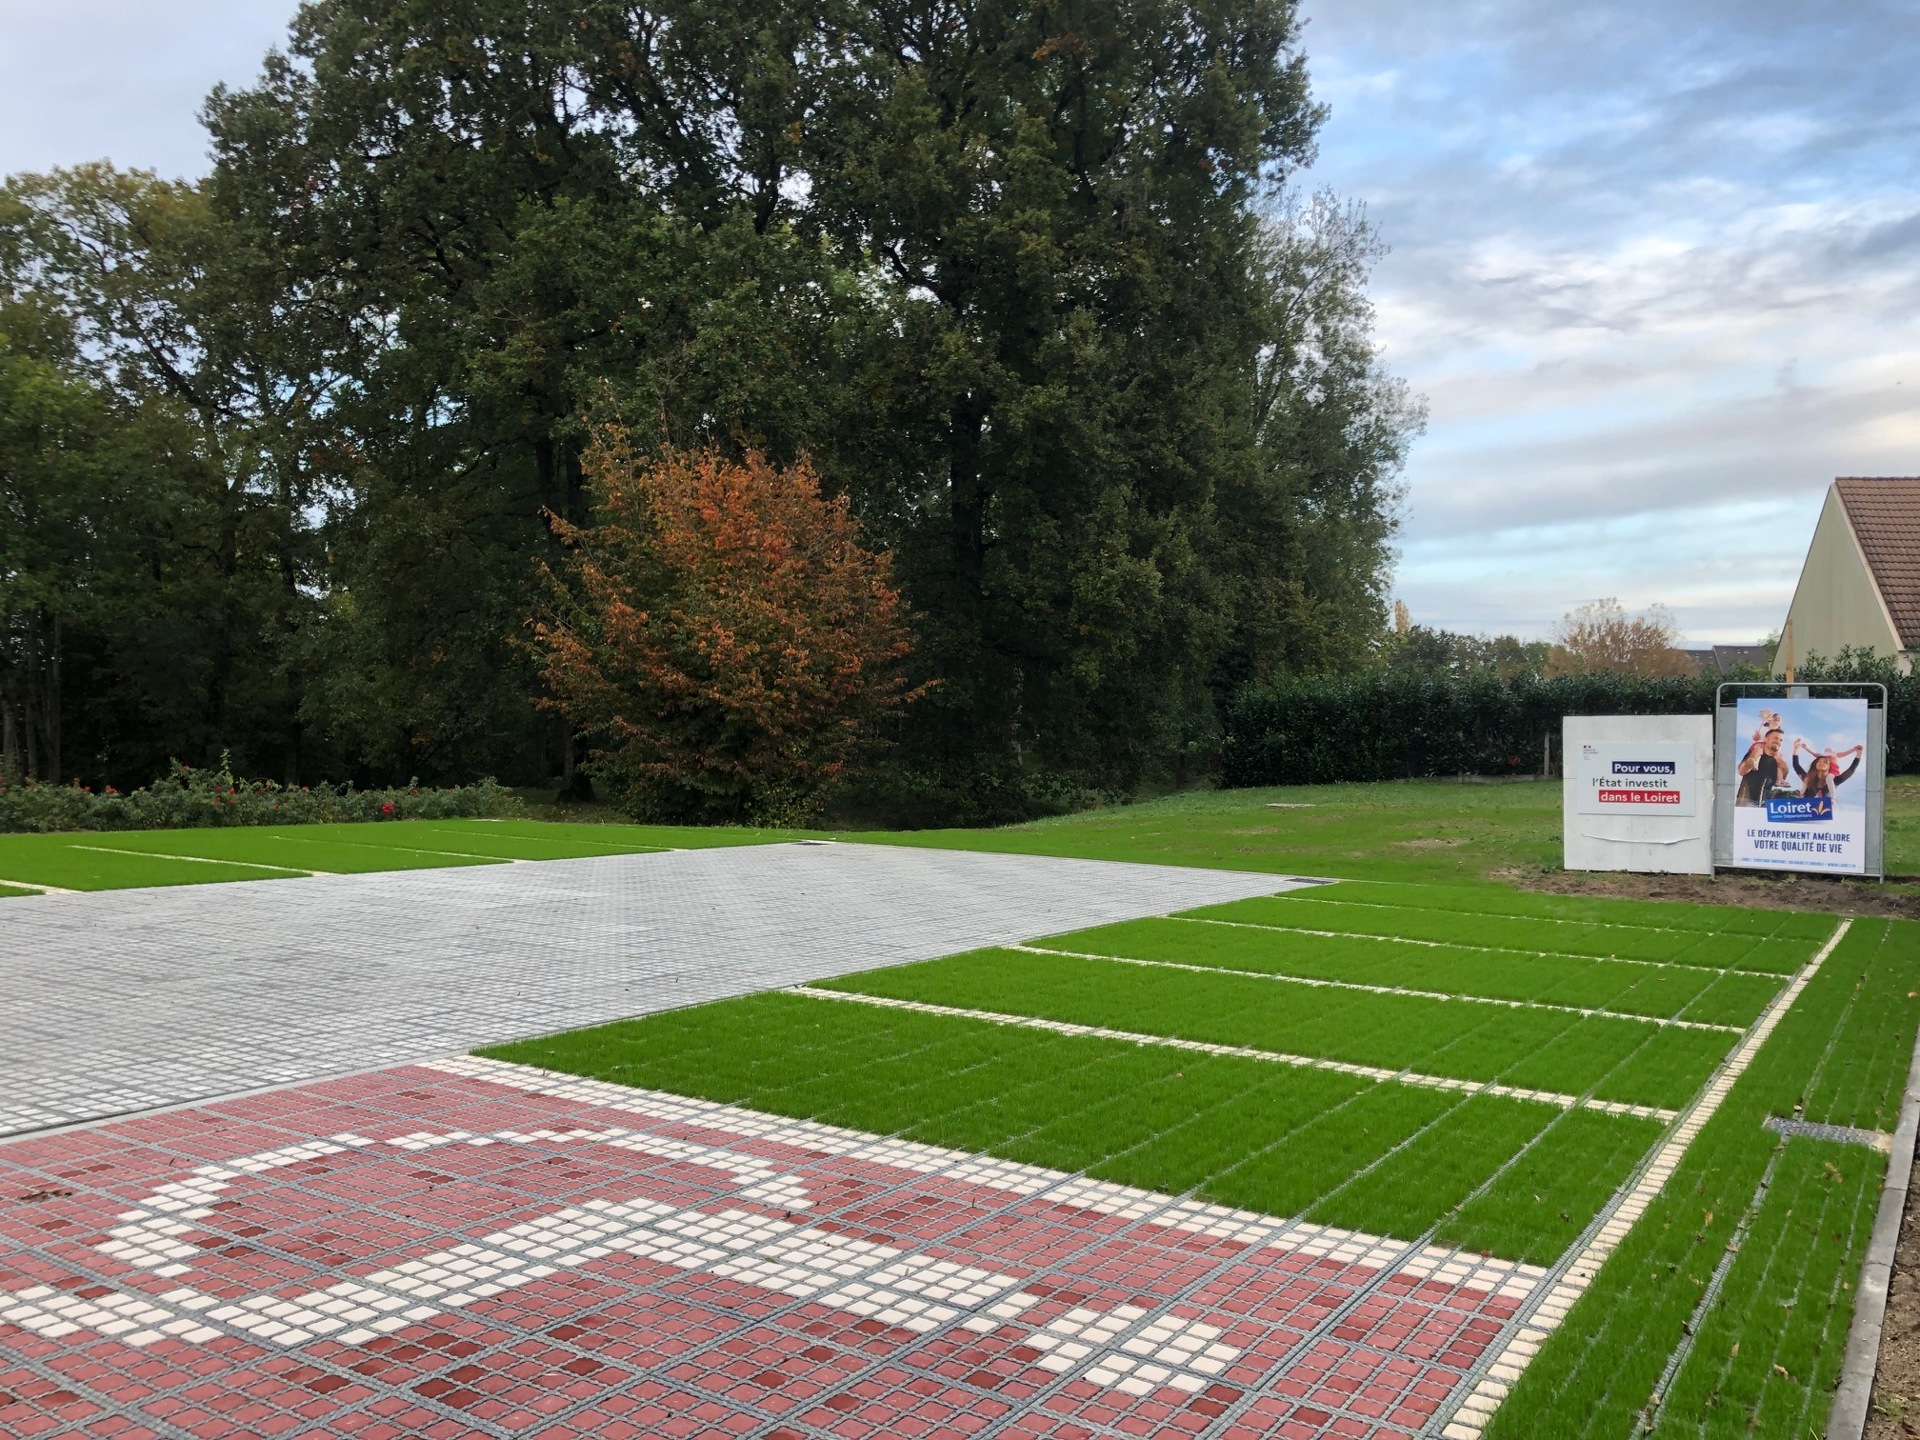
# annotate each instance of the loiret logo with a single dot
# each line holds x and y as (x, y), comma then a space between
(1814, 807)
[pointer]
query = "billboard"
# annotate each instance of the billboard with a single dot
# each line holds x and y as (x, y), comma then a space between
(1637, 793)
(1799, 798)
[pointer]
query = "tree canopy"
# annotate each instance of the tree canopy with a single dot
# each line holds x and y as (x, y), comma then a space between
(1029, 286)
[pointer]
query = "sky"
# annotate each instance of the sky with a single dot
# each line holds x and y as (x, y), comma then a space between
(1655, 266)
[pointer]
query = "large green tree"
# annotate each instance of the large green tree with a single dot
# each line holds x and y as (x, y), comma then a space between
(1021, 279)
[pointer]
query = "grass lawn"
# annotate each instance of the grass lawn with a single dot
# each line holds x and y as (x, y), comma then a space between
(1419, 832)
(1424, 831)
(114, 860)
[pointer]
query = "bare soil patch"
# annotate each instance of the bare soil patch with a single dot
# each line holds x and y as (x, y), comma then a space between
(1767, 892)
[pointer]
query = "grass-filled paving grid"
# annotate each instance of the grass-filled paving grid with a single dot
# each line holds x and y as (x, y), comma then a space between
(1484, 1173)
(1381, 1157)
(1576, 909)
(1817, 1210)
(1774, 955)
(1843, 1049)
(1542, 1202)
(1629, 987)
(1559, 1051)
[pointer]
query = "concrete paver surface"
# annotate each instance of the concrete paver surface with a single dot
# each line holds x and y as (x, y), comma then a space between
(130, 1000)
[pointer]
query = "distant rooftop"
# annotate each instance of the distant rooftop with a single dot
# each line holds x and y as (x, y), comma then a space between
(1884, 511)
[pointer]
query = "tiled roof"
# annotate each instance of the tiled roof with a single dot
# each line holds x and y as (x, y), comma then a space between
(1885, 511)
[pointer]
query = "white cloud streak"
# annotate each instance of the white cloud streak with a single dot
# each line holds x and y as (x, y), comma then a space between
(1657, 268)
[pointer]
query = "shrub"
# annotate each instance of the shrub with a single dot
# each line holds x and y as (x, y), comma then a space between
(1392, 726)
(720, 634)
(187, 798)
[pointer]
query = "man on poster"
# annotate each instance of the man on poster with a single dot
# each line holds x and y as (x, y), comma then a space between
(1793, 809)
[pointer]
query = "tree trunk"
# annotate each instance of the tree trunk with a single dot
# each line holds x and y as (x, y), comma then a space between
(967, 505)
(51, 707)
(9, 735)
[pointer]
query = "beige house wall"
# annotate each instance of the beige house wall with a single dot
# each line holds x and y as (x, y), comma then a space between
(1836, 604)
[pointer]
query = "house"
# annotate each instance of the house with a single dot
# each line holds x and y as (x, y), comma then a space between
(1860, 585)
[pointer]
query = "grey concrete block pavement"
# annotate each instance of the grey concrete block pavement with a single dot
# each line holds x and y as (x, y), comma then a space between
(128, 1000)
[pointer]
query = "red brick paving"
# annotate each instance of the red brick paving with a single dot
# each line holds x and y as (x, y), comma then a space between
(622, 1328)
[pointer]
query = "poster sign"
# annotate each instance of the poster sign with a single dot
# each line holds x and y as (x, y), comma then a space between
(1642, 777)
(1800, 801)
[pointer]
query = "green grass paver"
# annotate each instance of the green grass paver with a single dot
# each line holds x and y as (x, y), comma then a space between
(1407, 1192)
(1630, 986)
(1866, 1073)
(1646, 914)
(1474, 1042)
(1733, 1000)
(1768, 1351)
(1594, 1377)
(1239, 1132)
(1539, 1207)
(1524, 934)
(1290, 1177)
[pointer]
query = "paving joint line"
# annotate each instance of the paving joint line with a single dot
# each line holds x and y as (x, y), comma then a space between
(1405, 1076)
(43, 889)
(1547, 919)
(1569, 1279)
(1318, 982)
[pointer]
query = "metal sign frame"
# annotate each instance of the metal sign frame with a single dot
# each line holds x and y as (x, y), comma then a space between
(1726, 739)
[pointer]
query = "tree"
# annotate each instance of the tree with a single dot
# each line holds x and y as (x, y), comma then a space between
(720, 634)
(1602, 636)
(1021, 282)
(172, 313)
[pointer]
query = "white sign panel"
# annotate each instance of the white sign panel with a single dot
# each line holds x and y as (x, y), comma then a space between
(1795, 808)
(1637, 777)
(1637, 793)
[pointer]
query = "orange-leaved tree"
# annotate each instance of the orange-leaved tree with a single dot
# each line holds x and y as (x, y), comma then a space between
(719, 632)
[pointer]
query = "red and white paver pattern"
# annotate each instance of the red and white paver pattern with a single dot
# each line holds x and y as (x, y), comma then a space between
(474, 1248)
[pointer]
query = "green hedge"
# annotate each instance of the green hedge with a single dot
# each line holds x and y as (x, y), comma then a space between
(1384, 726)
(189, 798)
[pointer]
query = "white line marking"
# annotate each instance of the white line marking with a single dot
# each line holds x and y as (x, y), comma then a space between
(1382, 989)
(1334, 899)
(201, 860)
(1504, 1372)
(1304, 1062)
(1773, 975)
(36, 885)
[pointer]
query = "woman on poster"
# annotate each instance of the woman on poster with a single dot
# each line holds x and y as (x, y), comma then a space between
(1818, 777)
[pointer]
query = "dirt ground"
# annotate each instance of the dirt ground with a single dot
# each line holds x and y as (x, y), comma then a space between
(1895, 1411)
(1768, 892)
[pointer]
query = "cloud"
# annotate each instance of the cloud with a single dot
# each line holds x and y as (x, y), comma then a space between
(1657, 268)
